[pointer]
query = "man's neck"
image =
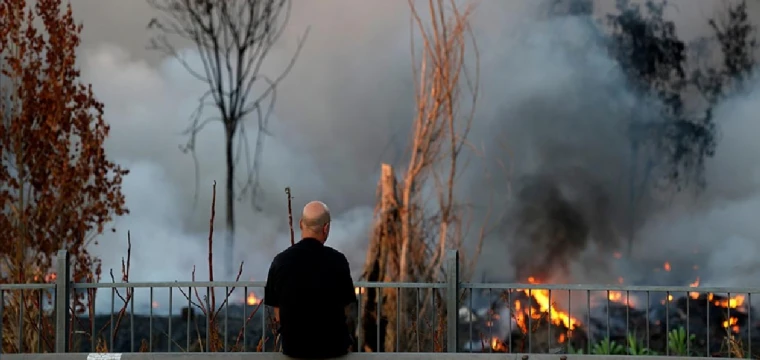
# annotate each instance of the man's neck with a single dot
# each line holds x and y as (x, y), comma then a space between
(311, 238)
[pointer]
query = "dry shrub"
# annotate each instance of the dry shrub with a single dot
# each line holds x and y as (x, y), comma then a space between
(208, 305)
(733, 346)
(29, 310)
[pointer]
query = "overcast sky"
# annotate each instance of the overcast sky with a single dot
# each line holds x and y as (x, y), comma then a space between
(124, 22)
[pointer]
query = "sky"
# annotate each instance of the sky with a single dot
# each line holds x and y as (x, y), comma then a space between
(545, 107)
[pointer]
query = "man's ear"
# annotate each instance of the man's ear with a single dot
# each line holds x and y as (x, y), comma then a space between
(300, 224)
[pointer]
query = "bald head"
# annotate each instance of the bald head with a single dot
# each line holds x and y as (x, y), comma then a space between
(315, 221)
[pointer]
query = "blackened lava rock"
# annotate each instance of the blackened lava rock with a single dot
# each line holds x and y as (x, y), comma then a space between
(137, 333)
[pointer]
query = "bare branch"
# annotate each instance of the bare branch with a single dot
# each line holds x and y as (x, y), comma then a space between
(232, 39)
(416, 228)
(439, 129)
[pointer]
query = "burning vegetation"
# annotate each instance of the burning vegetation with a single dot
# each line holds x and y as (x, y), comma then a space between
(535, 320)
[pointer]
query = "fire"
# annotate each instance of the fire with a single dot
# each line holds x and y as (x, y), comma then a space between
(154, 304)
(618, 297)
(498, 345)
(732, 323)
(358, 290)
(666, 266)
(251, 299)
(670, 298)
(520, 316)
(733, 302)
(694, 295)
(558, 317)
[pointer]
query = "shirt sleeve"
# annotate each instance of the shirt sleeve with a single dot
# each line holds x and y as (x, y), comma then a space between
(271, 289)
(347, 290)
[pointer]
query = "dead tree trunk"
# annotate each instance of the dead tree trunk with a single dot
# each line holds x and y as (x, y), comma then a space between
(410, 239)
(398, 315)
(382, 266)
(229, 244)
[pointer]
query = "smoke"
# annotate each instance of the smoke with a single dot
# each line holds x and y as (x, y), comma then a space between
(576, 195)
(552, 170)
(561, 118)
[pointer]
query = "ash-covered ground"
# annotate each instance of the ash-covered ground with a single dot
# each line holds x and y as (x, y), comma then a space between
(179, 333)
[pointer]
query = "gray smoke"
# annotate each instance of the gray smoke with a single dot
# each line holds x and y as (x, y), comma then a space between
(552, 169)
(577, 188)
(564, 122)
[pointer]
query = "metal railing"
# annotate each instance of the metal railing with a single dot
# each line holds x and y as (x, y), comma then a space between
(354, 356)
(450, 316)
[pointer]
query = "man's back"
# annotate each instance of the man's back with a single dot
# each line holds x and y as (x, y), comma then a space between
(311, 285)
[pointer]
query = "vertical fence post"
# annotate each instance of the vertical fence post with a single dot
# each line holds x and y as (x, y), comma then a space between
(62, 297)
(452, 300)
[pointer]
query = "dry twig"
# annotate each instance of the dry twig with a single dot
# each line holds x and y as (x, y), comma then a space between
(290, 216)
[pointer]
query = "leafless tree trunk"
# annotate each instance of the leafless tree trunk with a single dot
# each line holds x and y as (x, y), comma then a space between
(410, 241)
(439, 128)
(382, 263)
(232, 39)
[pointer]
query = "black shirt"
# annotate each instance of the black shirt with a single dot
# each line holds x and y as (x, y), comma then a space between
(311, 284)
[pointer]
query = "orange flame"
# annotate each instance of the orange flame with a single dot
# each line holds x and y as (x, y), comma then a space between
(251, 299)
(542, 298)
(666, 266)
(498, 345)
(694, 295)
(618, 297)
(732, 323)
(733, 302)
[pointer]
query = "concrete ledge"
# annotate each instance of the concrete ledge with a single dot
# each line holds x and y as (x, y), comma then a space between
(363, 356)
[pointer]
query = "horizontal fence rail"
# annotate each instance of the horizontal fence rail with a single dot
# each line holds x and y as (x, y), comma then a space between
(354, 356)
(450, 316)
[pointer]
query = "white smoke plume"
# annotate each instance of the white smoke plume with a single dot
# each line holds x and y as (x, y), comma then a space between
(551, 101)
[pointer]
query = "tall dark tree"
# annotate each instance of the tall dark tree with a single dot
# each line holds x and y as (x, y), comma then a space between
(649, 51)
(736, 36)
(232, 38)
(654, 60)
(670, 143)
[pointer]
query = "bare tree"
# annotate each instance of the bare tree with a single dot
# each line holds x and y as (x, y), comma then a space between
(415, 229)
(232, 39)
(439, 128)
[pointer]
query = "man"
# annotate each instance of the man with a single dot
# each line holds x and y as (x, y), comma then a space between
(310, 288)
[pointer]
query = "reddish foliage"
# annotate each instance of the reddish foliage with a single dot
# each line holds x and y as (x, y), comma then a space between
(57, 187)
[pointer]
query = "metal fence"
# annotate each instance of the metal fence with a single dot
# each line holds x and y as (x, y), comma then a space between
(450, 316)
(354, 356)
